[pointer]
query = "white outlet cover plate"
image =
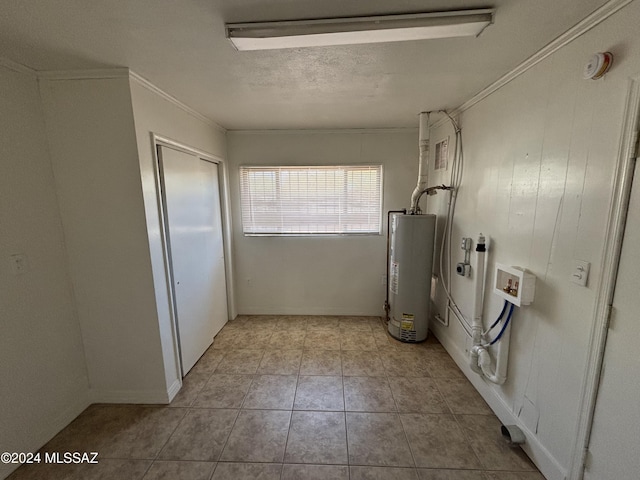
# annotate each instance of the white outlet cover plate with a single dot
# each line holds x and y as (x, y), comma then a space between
(580, 272)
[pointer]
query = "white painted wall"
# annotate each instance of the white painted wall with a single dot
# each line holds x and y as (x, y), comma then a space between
(540, 157)
(43, 379)
(91, 133)
(154, 113)
(325, 275)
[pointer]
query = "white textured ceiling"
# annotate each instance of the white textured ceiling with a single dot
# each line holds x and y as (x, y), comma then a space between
(179, 45)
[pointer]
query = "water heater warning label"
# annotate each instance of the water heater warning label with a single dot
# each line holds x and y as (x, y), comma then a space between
(393, 281)
(407, 321)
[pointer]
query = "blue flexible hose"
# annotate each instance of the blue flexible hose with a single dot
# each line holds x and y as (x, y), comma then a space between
(504, 309)
(504, 327)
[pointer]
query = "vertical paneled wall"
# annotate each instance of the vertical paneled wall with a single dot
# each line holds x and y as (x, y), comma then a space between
(540, 155)
(43, 377)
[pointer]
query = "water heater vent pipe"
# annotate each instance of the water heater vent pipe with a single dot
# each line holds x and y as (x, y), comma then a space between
(423, 165)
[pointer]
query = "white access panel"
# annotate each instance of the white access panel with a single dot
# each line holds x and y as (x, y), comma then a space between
(191, 195)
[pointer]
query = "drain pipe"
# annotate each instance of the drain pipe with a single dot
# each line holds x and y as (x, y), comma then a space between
(423, 165)
(500, 375)
(480, 359)
(478, 303)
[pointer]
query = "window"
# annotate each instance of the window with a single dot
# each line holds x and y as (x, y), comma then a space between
(311, 200)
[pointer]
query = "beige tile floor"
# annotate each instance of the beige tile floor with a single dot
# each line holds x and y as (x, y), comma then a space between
(300, 398)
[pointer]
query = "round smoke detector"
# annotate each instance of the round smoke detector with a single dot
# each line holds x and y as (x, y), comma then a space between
(597, 65)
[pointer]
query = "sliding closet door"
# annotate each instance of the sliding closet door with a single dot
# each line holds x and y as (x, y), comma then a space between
(191, 196)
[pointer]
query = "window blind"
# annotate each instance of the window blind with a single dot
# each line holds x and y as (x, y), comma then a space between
(311, 200)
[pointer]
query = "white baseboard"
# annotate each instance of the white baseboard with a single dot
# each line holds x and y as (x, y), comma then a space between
(320, 310)
(541, 457)
(50, 427)
(150, 397)
(48, 430)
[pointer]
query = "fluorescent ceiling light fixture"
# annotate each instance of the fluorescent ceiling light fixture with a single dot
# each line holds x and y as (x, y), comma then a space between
(358, 30)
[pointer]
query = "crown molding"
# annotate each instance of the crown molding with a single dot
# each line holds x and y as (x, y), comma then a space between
(170, 98)
(595, 18)
(123, 72)
(315, 131)
(95, 74)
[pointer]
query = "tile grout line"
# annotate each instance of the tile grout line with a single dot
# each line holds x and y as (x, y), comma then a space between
(443, 396)
(293, 404)
(380, 352)
(286, 443)
(344, 413)
(166, 441)
(215, 467)
(470, 443)
(413, 457)
(226, 441)
(406, 437)
(253, 376)
(191, 407)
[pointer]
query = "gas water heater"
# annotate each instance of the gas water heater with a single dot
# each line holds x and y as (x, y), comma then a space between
(410, 267)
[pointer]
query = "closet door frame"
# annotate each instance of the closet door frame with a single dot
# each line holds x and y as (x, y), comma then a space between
(223, 177)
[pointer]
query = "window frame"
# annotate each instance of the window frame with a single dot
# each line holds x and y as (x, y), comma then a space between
(380, 205)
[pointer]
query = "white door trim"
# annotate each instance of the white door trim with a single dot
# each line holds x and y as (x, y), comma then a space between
(622, 183)
(223, 178)
(225, 196)
(159, 140)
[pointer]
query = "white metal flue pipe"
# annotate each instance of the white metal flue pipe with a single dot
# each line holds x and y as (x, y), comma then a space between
(423, 165)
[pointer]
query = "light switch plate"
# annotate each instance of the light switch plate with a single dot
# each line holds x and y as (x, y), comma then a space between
(580, 272)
